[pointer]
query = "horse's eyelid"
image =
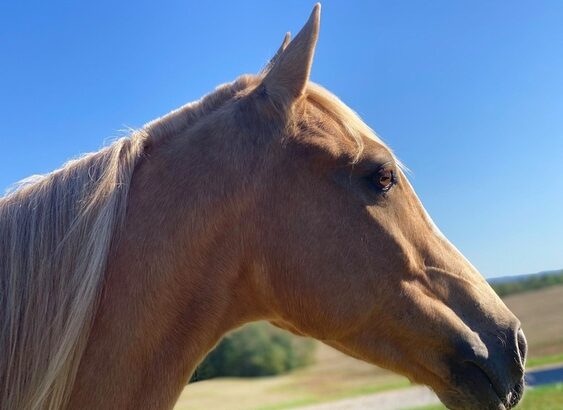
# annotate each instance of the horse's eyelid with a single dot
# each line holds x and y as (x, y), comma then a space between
(386, 165)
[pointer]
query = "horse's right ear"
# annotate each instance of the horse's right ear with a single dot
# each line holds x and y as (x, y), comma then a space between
(289, 71)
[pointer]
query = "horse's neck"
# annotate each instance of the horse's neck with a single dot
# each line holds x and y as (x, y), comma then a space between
(167, 301)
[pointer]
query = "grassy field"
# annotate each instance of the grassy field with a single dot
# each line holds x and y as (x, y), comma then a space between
(336, 376)
(545, 398)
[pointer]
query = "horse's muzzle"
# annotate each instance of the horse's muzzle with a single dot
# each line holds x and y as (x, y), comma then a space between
(491, 380)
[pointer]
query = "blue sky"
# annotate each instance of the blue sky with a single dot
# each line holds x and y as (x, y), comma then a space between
(468, 93)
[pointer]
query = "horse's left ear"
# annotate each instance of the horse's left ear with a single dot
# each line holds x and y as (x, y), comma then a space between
(290, 68)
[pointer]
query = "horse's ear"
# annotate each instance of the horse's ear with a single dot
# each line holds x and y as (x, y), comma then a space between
(289, 72)
(285, 42)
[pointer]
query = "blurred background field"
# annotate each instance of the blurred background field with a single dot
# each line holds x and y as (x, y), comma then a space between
(320, 374)
(540, 398)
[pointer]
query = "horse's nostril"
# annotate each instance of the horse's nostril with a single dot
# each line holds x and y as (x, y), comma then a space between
(522, 346)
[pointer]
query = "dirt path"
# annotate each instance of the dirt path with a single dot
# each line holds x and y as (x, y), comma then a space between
(391, 400)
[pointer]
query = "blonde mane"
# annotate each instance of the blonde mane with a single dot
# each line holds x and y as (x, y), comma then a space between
(56, 236)
(56, 233)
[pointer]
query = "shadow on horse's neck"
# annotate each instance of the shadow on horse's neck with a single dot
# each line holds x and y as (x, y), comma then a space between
(175, 284)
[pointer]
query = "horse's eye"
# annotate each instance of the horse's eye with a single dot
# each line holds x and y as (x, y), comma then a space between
(385, 179)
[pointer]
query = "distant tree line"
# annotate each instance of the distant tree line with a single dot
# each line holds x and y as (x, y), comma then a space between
(531, 282)
(257, 349)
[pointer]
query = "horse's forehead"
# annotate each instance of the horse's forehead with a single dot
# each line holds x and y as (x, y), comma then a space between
(316, 115)
(337, 126)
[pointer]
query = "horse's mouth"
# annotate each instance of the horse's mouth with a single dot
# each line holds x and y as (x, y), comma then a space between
(510, 399)
(475, 389)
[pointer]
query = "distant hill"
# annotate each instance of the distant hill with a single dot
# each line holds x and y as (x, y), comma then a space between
(508, 285)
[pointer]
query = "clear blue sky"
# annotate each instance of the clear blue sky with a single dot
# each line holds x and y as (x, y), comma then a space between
(468, 93)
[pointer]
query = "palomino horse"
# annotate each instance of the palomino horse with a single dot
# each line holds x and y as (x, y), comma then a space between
(268, 199)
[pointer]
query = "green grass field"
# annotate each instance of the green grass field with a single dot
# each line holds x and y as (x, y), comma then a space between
(545, 398)
(335, 376)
